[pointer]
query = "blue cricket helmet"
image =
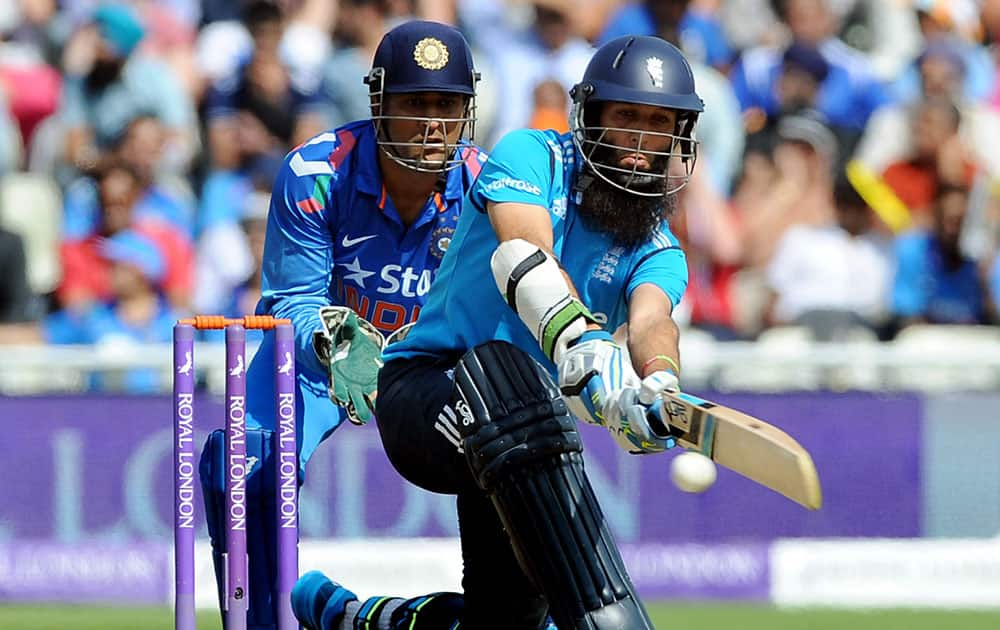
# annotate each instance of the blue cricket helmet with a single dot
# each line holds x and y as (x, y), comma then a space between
(646, 71)
(422, 56)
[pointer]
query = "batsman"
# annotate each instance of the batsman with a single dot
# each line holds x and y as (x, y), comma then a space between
(359, 221)
(481, 398)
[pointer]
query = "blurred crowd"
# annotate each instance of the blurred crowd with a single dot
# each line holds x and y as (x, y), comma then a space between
(848, 174)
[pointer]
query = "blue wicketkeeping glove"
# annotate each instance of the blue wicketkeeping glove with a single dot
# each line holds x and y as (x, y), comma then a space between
(593, 372)
(351, 348)
(629, 421)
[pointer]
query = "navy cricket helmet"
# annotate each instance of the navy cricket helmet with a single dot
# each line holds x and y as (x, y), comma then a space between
(422, 56)
(646, 71)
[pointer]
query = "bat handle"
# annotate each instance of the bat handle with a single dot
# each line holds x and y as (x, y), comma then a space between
(654, 416)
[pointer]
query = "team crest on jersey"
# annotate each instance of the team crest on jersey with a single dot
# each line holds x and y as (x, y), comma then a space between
(430, 53)
(606, 268)
(440, 240)
(654, 66)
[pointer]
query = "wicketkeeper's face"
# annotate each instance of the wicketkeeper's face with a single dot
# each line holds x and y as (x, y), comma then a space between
(426, 125)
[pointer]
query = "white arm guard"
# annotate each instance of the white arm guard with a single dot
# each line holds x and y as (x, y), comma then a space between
(533, 285)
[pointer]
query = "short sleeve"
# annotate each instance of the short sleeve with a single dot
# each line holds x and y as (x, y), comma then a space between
(519, 170)
(665, 268)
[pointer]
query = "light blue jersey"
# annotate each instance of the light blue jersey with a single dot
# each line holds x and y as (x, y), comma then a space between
(464, 307)
(334, 237)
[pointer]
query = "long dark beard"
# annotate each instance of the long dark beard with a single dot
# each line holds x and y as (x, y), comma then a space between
(628, 218)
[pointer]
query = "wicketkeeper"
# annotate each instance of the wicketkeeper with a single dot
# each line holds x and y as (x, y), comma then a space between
(360, 219)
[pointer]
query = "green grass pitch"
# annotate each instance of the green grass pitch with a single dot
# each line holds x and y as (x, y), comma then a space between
(665, 616)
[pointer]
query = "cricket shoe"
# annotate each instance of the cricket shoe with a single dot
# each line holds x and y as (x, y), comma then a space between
(318, 602)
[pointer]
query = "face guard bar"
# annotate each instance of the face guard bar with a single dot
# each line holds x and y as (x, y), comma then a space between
(402, 152)
(676, 163)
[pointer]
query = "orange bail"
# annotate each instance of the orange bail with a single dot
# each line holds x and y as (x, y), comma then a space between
(250, 322)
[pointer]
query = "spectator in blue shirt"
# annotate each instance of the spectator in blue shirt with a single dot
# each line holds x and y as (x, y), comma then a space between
(935, 282)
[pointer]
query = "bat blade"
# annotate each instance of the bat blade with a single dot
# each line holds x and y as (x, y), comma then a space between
(746, 445)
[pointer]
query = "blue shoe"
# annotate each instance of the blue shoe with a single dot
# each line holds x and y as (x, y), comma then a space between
(319, 602)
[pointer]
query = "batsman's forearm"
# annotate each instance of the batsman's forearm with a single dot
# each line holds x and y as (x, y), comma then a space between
(654, 338)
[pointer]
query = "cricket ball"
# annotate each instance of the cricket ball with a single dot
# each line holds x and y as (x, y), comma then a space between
(692, 472)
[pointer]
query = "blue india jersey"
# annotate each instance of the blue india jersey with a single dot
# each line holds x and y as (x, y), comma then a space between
(334, 237)
(465, 308)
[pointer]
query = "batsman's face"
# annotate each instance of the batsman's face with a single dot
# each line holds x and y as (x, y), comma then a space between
(428, 122)
(643, 132)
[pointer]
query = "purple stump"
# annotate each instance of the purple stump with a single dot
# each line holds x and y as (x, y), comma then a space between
(236, 473)
(185, 465)
(286, 474)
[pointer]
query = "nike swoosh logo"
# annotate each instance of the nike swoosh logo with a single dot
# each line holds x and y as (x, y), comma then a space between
(350, 242)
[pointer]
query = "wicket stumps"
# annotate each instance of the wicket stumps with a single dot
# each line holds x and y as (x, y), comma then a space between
(185, 466)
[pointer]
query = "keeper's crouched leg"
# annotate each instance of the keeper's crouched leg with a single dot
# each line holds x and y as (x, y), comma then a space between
(525, 452)
(261, 517)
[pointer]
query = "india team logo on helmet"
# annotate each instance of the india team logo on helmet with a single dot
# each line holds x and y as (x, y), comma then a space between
(430, 54)
(423, 56)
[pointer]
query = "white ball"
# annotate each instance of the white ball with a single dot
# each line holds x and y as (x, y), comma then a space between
(692, 472)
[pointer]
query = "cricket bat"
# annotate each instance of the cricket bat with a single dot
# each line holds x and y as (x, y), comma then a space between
(751, 447)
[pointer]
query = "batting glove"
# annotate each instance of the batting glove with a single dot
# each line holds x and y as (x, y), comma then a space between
(636, 423)
(351, 348)
(593, 373)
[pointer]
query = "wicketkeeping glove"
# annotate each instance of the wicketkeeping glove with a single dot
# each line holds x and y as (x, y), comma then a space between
(629, 422)
(351, 348)
(593, 373)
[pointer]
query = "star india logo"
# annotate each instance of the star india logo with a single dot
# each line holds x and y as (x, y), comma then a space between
(654, 66)
(357, 273)
(430, 54)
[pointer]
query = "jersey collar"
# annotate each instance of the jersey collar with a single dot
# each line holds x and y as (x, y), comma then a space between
(368, 178)
(455, 187)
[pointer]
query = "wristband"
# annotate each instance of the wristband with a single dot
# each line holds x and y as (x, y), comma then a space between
(674, 368)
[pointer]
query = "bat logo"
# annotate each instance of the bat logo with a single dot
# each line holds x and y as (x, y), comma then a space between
(238, 370)
(286, 367)
(188, 364)
(677, 413)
